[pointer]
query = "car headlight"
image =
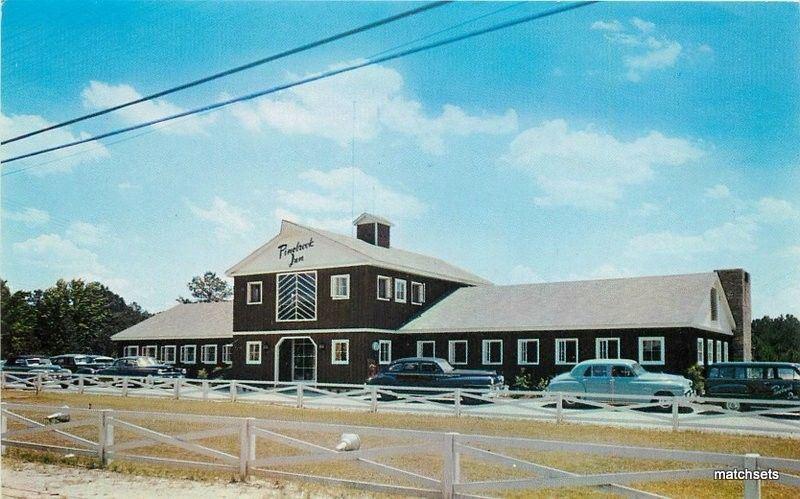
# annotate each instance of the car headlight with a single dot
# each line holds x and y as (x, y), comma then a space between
(161, 371)
(183, 371)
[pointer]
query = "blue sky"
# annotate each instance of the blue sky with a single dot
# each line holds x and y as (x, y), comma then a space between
(613, 140)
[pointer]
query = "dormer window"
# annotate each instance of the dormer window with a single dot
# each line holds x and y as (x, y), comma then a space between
(254, 293)
(417, 293)
(384, 288)
(714, 304)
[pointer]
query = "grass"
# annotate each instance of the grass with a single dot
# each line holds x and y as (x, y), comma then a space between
(426, 464)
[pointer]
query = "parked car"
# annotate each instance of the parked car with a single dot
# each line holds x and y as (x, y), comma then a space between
(753, 380)
(141, 366)
(432, 372)
(619, 377)
(79, 363)
(36, 364)
(101, 360)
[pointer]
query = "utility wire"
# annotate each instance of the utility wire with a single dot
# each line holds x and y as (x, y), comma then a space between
(237, 69)
(310, 79)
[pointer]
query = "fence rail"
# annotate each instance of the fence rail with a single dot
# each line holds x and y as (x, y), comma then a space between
(774, 417)
(234, 447)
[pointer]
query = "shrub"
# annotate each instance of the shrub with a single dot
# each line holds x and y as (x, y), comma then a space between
(542, 384)
(202, 374)
(522, 381)
(695, 373)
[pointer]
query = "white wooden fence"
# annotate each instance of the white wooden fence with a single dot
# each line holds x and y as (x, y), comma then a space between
(773, 417)
(136, 436)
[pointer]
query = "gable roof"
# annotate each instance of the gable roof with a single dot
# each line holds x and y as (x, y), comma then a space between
(637, 302)
(338, 250)
(184, 321)
(369, 218)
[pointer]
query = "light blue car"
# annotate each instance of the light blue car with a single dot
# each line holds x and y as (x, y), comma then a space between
(619, 377)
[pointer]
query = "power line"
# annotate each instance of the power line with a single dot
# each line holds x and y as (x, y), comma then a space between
(237, 69)
(310, 79)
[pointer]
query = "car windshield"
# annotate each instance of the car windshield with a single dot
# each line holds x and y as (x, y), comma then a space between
(39, 362)
(446, 367)
(637, 369)
(146, 362)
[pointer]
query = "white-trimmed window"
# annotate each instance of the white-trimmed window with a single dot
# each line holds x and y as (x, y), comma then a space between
(189, 354)
(340, 287)
(131, 351)
(340, 352)
(253, 352)
(566, 351)
(168, 354)
(457, 353)
(492, 352)
(208, 354)
(227, 351)
(417, 293)
(701, 358)
(400, 290)
(725, 352)
(150, 351)
(426, 348)
(254, 293)
(527, 352)
(651, 350)
(384, 288)
(296, 297)
(719, 351)
(384, 351)
(710, 351)
(606, 348)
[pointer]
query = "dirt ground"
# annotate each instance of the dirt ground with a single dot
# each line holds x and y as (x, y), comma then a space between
(35, 480)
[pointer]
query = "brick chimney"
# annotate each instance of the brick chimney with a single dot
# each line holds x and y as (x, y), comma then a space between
(736, 283)
(373, 229)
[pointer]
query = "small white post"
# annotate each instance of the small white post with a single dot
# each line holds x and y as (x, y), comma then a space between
(2, 381)
(205, 389)
(559, 407)
(451, 467)
(3, 429)
(457, 402)
(233, 391)
(373, 399)
(176, 388)
(39, 382)
(251, 446)
(675, 411)
(752, 488)
(106, 436)
(300, 395)
(80, 383)
(124, 386)
(244, 448)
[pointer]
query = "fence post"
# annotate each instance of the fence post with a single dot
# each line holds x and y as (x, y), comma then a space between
(300, 396)
(2, 381)
(233, 391)
(559, 407)
(451, 467)
(106, 437)
(3, 429)
(80, 383)
(457, 402)
(205, 389)
(38, 382)
(244, 448)
(373, 395)
(177, 389)
(124, 386)
(675, 412)
(752, 488)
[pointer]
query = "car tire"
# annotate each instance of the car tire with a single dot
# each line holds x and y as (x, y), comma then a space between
(733, 405)
(663, 405)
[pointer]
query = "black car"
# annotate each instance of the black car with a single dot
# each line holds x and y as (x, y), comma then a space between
(141, 366)
(80, 363)
(432, 372)
(753, 380)
(33, 364)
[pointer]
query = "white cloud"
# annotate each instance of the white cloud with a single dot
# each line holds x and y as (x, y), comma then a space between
(736, 235)
(85, 233)
(29, 216)
(325, 201)
(325, 109)
(591, 169)
(644, 50)
(228, 220)
(719, 191)
(62, 160)
(101, 95)
(126, 186)
(773, 210)
(60, 255)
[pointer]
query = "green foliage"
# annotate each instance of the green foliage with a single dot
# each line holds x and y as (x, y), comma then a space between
(207, 288)
(776, 339)
(70, 317)
(696, 375)
(202, 374)
(522, 381)
(542, 384)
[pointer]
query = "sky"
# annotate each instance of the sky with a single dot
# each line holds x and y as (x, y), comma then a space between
(609, 141)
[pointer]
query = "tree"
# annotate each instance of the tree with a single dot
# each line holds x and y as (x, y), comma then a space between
(776, 339)
(18, 321)
(207, 288)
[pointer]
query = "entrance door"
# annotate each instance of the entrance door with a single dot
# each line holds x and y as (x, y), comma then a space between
(303, 360)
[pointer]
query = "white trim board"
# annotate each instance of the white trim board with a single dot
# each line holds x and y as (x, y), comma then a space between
(511, 329)
(319, 331)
